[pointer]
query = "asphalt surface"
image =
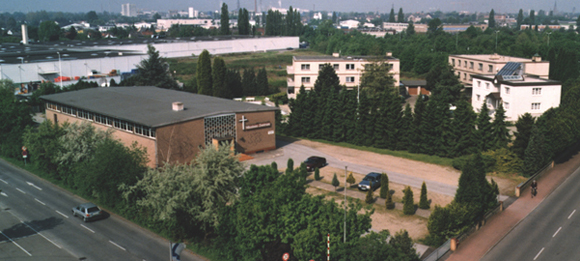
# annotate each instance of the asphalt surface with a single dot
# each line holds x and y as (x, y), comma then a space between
(299, 153)
(36, 223)
(549, 232)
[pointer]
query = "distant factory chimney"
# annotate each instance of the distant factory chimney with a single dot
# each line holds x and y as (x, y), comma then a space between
(24, 34)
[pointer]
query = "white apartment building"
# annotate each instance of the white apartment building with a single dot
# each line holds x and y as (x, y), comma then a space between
(467, 65)
(304, 70)
(128, 10)
(518, 93)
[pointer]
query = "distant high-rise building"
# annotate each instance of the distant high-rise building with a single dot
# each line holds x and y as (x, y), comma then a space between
(128, 10)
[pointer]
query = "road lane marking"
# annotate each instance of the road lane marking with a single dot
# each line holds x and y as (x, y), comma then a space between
(557, 232)
(539, 253)
(87, 228)
(61, 214)
(21, 191)
(16, 244)
(31, 184)
(4, 181)
(40, 202)
(117, 245)
(41, 234)
(571, 214)
(3, 194)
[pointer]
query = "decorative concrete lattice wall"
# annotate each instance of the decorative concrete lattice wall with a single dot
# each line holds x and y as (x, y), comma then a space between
(220, 126)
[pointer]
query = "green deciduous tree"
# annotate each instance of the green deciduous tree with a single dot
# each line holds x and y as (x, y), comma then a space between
(189, 195)
(154, 71)
(48, 31)
(408, 202)
(42, 143)
(14, 117)
(403, 243)
(203, 74)
(424, 202)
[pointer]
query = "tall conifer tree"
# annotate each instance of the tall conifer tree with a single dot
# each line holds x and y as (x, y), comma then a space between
(219, 74)
(225, 20)
(523, 133)
(484, 134)
(203, 74)
(499, 131)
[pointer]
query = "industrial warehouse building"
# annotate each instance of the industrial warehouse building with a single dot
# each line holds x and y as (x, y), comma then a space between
(171, 125)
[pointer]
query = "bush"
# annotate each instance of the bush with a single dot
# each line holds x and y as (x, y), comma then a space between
(370, 197)
(424, 202)
(506, 161)
(316, 174)
(384, 185)
(281, 98)
(408, 203)
(488, 161)
(335, 181)
(350, 179)
(389, 202)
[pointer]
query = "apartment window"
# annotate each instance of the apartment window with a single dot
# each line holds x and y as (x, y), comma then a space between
(535, 106)
(480, 67)
(478, 97)
(458, 63)
(305, 67)
(320, 66)
(305, 79)
(465, 64)
(464, 76)
(453, 62)
(290, 90)
(490, 68)
(506, 105)
(536, 91)
(478, 84)
(471, 65)
(487, 85)
(350, 79)
(507, 90)
(335, 66)
(350, 66)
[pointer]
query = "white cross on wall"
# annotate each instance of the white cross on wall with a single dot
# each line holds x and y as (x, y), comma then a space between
(243, 121)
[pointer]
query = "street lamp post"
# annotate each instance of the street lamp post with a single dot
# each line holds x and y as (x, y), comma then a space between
(59, 70)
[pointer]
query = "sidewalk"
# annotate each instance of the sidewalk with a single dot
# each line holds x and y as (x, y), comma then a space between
(479, 243)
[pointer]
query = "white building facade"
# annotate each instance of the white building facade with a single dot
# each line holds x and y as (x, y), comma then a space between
(518, 95)
(304, 70)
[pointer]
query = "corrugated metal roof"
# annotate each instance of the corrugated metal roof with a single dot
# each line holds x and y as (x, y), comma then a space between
(150, 106)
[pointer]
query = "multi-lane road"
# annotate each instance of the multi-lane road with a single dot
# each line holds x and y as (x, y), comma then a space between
(550, 232)
(36, 224)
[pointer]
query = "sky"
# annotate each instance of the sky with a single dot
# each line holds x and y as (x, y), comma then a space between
(499, 6)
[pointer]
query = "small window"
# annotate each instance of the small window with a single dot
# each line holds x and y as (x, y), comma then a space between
(464, 76)
(453, 62)
(471, 65)
(535, 106)
(490, 68)
(480, 66)
(478, 97)
(507, 90)
(350, 66)
(536, 91)
(506, 105)
(487, 85)
(458, 63)
(290, 90)
(305, 79)
(350, 79)
(335, 66)
(465, 64)
(320, 66)
(478, 84)
(305, 67)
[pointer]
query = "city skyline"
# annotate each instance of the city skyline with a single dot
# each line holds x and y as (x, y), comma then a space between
(409, 6)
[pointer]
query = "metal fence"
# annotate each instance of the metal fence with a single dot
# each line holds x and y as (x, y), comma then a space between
(439, 252)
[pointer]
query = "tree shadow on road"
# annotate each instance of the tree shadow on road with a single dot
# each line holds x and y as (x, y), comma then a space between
(27, 229)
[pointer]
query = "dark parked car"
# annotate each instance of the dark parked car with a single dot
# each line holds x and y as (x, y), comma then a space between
(315, 162)
(87, 211)
(373, 177)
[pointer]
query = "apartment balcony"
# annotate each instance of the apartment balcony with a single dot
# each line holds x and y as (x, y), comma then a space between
(290, 82)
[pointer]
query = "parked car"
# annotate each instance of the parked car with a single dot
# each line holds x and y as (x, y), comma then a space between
(374, 178)
(315, 162)
(88, 211)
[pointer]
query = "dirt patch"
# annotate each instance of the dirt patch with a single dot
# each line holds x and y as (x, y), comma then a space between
(392, 220)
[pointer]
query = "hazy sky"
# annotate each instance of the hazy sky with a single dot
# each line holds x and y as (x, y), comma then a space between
(500, 6)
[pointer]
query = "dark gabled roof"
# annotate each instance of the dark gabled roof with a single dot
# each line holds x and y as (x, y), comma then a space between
(150, 106)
